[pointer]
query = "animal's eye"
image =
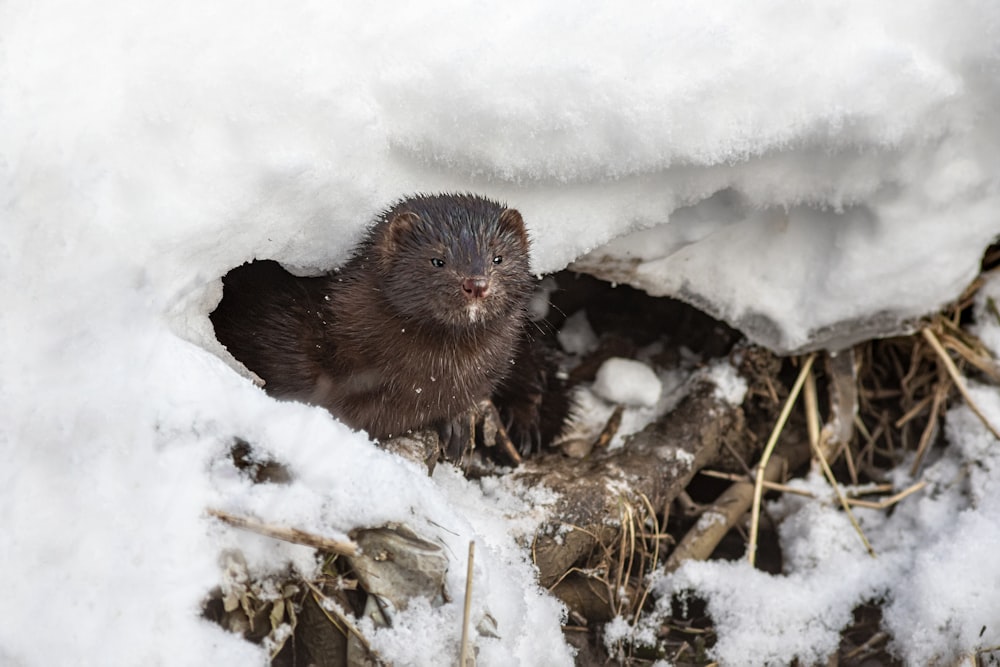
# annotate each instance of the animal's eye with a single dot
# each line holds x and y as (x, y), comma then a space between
(437, 262)
(498, 259)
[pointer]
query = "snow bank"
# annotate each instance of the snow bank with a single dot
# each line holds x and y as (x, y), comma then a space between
(858, 140)
(796, 167)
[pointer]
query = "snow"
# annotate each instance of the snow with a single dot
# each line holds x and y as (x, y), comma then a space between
(628, 382)
(936, 568)
(729, 385)
(576, 336)
(620, 385)
(811, 173)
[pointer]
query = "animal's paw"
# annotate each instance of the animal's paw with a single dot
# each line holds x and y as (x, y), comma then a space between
(480, 425)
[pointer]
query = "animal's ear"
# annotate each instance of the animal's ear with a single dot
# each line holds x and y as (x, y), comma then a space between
(510, 222)
(400, 226)
(389, 237)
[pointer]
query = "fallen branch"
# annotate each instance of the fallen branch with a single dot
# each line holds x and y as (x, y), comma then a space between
(702, 539)
(293, 535)
(656, 463)
(589, 561)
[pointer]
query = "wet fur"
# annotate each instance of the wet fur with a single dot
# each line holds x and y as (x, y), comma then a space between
(389, 343)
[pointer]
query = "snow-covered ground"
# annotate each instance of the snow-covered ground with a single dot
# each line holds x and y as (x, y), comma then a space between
(809, 171)
(936, 569)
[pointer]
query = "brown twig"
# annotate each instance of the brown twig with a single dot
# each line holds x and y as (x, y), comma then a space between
(891, 500)
(957, 378)
(463, 659)
(914, 411)
(874, 640)
(293, 535)
(940, 393)
(745, 479)
(818, 447)
(610, 428)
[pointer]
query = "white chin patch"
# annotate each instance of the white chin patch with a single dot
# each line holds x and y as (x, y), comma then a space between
(475, 312)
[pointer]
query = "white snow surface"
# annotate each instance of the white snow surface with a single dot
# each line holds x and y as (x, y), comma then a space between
(576, 336)
(627, 381)
(813, 164)
(729, 384)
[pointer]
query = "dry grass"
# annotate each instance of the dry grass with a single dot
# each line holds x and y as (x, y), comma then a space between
(902, 388)
(758, 490)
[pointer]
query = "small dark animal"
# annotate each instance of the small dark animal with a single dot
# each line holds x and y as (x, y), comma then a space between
(420, 325)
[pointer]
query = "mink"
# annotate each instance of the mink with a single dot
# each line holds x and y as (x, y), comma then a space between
(425, 320)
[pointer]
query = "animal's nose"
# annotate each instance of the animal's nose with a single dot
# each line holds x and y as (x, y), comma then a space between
(475, 287)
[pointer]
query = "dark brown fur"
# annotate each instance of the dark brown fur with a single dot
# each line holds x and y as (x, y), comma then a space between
(418, 326)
